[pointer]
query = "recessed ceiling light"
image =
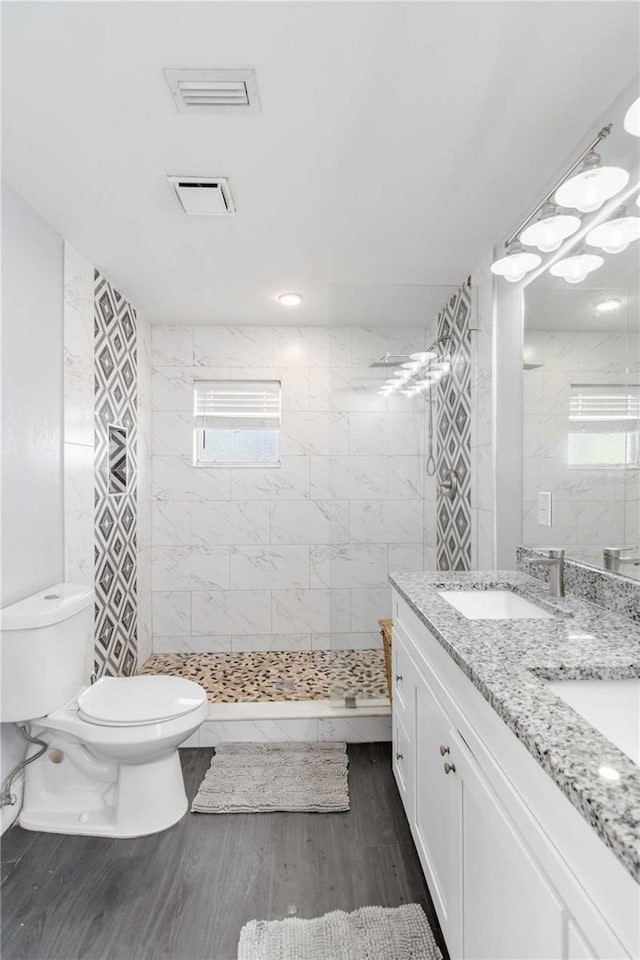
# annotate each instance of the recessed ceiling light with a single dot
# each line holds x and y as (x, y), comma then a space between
(608, 305)
(290, 299)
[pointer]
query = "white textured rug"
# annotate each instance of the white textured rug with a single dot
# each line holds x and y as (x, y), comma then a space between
(371, 933)
(265, 777)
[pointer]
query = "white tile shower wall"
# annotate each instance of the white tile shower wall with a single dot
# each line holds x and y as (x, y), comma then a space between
(483, 555)
(78, 449)
(294, 557)
(144, 500)
(590, 506)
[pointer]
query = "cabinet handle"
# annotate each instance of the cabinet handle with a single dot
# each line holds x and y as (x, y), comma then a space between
(449, 768)
(398, 677)
(399, 756)
(443, 751)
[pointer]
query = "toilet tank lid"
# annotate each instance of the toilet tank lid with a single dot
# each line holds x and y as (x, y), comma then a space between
(46, 607)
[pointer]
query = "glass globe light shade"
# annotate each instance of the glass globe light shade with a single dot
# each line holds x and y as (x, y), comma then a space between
(632, 119)
(550, 230)
(614, 236)
(588, 189)
(516, 264)
(575, 269)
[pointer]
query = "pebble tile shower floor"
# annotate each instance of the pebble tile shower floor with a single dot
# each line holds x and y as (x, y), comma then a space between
(278, 675)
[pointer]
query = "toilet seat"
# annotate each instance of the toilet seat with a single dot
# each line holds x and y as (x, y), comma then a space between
(138, 701)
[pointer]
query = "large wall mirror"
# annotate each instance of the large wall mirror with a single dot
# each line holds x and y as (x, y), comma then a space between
(581, 410)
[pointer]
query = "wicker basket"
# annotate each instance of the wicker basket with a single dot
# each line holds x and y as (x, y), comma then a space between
(385, 633)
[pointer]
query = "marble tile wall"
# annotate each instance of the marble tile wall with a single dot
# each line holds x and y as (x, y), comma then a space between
(453, 449)
(294, 557)
(483, 546)
(86, 548)
(115, 537)
(144, 492)
(78, 447)
(591, 506)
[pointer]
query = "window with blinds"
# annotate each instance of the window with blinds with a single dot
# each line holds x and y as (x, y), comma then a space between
(604, 425)
(236, 422)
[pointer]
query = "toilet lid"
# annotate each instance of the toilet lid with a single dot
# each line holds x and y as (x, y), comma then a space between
(126, 701)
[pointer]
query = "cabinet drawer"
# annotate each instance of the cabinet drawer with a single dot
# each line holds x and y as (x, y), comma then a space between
(402, 670)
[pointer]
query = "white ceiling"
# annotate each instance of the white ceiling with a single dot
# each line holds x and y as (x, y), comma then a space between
(397, 141)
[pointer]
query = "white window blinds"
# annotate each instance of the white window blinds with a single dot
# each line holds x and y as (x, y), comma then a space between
(237, 422)
(595, 402)
(237, 404)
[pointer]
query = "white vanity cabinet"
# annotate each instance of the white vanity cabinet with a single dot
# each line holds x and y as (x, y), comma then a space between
(501, 888)
(510, 908)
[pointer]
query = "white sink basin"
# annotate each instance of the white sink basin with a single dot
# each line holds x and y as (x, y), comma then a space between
(494, 605)
(611, 706)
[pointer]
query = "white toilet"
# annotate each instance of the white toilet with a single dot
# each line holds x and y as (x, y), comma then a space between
(112, 767)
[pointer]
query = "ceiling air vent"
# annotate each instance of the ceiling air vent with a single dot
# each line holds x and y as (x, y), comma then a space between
(203, 196)
(214, 91)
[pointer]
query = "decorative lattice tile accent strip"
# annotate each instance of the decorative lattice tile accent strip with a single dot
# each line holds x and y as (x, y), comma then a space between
(265, 777)
(278, 674)
(453, 517)
(115, 514)
(377, 933)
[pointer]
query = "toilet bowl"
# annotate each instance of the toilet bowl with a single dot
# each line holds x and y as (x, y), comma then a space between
(111, 766)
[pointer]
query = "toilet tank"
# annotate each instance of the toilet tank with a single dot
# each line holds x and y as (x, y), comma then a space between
(43, 643)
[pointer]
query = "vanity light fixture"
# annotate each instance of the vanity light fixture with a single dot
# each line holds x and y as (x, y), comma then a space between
(584, 186)
(616, 234)
(516, 264)
(632, 119)
(576, 268)
(290, 299)
(608, 305)
(588, 189)
(550, 229)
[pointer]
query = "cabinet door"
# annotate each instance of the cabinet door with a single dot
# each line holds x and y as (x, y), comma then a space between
(437, 823)
(403, 764)
(511, 911)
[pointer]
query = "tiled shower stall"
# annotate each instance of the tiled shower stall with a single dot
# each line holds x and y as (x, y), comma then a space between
(277, 573)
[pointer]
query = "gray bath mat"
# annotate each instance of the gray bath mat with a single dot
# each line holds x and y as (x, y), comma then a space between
(371, 933)
(265, 777)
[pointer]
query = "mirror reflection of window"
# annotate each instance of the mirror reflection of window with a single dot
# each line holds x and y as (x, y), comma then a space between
(581, 411)
(604, 425)
(117, 460)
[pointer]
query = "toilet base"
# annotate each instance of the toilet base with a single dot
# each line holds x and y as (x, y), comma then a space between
(123, 800)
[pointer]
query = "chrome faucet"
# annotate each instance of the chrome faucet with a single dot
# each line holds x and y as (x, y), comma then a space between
(613, 558)
(555, 561)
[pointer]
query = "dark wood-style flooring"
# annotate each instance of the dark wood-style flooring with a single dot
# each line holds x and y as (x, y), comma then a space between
(185, 893)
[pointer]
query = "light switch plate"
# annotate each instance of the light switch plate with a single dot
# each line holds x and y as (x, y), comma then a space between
(544, 509)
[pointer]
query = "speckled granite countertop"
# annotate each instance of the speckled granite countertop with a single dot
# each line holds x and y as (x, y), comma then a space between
(509, 660)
